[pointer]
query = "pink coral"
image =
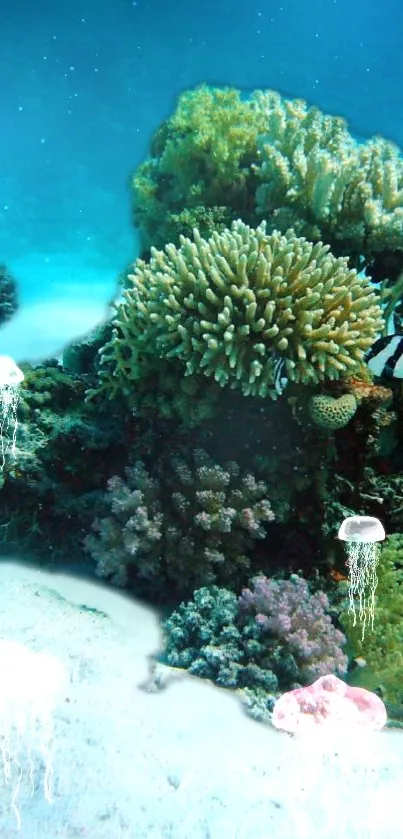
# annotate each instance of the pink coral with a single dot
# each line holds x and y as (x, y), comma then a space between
(298, 619)
(328, 702)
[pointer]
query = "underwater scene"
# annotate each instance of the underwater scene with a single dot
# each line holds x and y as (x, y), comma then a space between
(201, 420)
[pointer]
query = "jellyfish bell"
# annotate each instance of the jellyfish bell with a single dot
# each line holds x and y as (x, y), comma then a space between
(10, 374)
(361, 529)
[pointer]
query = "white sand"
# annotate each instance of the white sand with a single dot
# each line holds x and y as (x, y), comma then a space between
(182, 762)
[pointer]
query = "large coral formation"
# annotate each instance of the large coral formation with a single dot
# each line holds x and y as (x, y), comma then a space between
(235, 305)
(317, 179)
(199, 171)
(221, 156)
(189, 521)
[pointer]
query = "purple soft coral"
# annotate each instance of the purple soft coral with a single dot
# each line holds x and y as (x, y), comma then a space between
(288, 610)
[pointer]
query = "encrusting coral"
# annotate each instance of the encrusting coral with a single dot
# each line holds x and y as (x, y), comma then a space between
(235, 306)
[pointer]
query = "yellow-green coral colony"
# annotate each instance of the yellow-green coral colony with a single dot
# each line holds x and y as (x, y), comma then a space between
(316, 178)
(222, 156)
(231, 306)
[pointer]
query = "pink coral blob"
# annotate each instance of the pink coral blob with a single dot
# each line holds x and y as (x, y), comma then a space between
(328, 702)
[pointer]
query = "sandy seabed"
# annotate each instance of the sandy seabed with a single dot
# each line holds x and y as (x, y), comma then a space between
(146, 752)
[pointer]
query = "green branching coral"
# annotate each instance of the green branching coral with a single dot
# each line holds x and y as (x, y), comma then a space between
(189, 521)
(200, 170)
(317, 179)
(235, 305)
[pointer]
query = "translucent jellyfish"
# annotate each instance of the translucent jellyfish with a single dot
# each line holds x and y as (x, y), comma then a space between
(31, 686)
(362, 535)
(10, 379)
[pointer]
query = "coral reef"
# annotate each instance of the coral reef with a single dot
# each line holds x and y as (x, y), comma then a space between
(318, 180)
(199, 172)
(64, 451)
(277, 636)
(221, 156)
(188, 521)
(261, 220)
(299, 619)
(238, 304)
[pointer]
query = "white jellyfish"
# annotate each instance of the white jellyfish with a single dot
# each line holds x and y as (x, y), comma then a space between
(10, 379)
(362, 535)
